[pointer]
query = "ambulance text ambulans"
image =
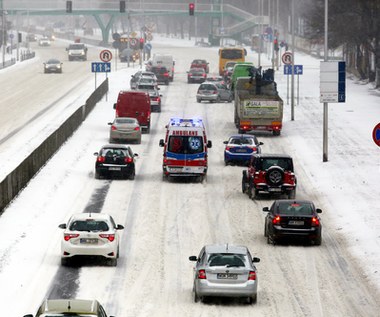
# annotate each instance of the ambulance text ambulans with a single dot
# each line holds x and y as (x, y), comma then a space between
(185, 148)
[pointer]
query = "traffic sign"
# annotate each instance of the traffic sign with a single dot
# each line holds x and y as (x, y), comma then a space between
(105, 56)
(148, 46)
(287, 58)
(376, 134)
(97, 67)
(298, 69)
(332, 81)
(133, 42)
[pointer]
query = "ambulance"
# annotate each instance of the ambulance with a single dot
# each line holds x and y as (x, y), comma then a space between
(185, 148)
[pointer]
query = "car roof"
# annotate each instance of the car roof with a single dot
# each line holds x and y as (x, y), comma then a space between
(95, 216)
(295, 201)
(115, 146)
(69, 305)
(242, 136)
(226, 248)
(266, 155)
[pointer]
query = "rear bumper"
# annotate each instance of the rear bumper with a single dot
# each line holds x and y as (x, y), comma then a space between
(206, 288)
(280, 232)
(266, 189)
(184, 171)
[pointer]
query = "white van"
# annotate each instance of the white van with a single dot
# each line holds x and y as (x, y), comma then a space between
(166, 61)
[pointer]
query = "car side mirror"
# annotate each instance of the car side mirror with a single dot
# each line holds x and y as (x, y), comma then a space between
(62, 226)
(135, 154)
(209, 144)
(119, 227)
(255, 260)
(266, 209)
(193, 258)
(109, 123)
(29, 315)
(96, 153)
(318, 210)
(261, 143)
(225, 142)
(162, 143)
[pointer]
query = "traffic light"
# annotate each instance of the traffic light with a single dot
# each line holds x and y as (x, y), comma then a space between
(122, 6)
(69, 6)
(275, 43)
(191, 8)
(141, 43)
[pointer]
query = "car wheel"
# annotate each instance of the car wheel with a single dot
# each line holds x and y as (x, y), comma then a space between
(265, 229)
(275, 176)
(244, 181)
(252, 299)
(118, 252)
(254, 194)
(196, 297)
(138, 141)
(199, 100)
(318, 240)
(292, 194)
(250, 189)
(65, 261)
(132, 175)
(276, 133)
(97, 175)
(112, 262)
(217, 99)
(230, 98)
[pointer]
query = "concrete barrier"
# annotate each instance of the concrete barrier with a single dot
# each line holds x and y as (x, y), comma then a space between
(21, 175)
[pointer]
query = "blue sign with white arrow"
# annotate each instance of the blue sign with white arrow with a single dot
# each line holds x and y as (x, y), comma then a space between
(98, 67)
(298, 69)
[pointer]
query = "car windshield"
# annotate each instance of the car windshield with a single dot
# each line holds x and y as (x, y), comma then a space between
(67, 315)
(226, 259)
(146, 87)
(76, 46)
(242, 141)
(185, 144)
(53, 61)
(295, 208)
(88, 225)
(284, 163)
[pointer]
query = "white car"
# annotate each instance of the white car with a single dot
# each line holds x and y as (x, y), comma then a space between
(70, 307)
(44, 42)
(90, 234)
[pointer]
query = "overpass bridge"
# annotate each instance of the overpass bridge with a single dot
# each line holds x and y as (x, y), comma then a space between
(105, 14)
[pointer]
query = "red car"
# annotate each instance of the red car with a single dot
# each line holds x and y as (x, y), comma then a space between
(200, 63)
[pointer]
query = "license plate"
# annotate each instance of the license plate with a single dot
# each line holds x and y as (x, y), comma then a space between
(296, 222)
(241, 150)
(226, 276)
(175, 169)
(88, 241)
(114, 168)
(274, 189)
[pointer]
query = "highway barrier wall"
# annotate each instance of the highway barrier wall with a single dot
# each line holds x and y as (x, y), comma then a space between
(11, 186)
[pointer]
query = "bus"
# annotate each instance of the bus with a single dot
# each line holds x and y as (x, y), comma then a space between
(236, 54)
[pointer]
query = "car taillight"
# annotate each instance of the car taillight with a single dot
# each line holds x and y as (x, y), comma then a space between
(166, 74)
(276, 220)
(254, 148)
(315, 222)
(128, 160)
(252, 276)
(68, 236)
(214, 92)
(113, 128)
(101, 159)
(137, 129)
(228, 148)
(202, 274)
(110, 237)
(204, 75)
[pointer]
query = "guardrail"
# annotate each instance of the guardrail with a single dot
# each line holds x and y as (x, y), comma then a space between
(22, 174)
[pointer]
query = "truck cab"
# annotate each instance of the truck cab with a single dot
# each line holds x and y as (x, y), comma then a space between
(77, 51)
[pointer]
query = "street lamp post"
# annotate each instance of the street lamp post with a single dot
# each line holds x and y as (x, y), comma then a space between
(325, 104)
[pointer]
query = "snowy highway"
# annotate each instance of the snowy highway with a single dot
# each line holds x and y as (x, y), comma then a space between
(166, 222)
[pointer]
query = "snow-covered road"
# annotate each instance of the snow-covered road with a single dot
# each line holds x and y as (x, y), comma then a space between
(165, 222)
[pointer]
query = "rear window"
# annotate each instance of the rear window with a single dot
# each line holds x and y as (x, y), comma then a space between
(125, 120)
(227, 259)
(284, 163)
(294, 209)
(114, 152)
(76, 46)
(147, 87)
(242, 141)
(207, 87)
(88, 225)
(159, 70)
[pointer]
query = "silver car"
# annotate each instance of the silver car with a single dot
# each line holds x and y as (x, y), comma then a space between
(225, 270)
(125, 129)
(214, 92)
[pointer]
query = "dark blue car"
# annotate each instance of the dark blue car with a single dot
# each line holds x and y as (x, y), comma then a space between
(240, 147)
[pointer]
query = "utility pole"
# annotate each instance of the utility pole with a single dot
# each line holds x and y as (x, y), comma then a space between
(325, 104)
(292, 81)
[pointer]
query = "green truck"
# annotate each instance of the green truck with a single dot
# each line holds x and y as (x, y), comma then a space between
(257, 104)
(241, 69)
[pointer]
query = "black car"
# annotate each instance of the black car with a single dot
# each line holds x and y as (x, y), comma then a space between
(161, 73)
(115, 160)
(293, 218)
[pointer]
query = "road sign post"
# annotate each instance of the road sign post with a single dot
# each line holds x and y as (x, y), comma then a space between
(99, 67)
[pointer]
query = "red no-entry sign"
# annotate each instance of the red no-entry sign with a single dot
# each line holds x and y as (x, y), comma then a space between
(376, 134)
